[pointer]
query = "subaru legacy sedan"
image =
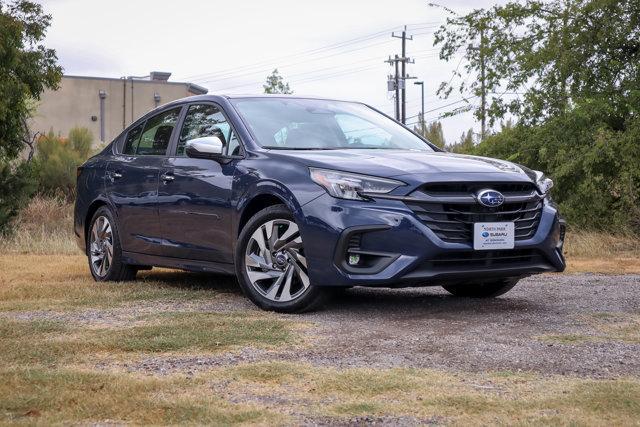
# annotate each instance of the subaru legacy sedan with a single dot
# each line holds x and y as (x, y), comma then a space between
(301, 196)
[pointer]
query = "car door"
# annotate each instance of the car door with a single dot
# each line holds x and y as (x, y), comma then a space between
(132, 182)
(194, 195)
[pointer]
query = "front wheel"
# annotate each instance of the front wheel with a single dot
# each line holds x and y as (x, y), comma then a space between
(482, 290)
(271, 265)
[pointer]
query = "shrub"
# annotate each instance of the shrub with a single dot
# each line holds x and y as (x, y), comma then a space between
(58, 158)
(16, 187)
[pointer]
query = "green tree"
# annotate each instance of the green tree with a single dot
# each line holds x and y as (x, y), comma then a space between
(547, 55)
(275, 84)
(465, 145)
(27, 68)
(433, 132)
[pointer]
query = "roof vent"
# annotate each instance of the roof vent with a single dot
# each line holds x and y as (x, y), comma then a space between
(159, 76)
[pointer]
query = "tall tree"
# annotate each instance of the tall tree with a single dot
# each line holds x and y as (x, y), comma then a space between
(27, 68)
(465, 144)
(275, 84)
(433, 132)
(547, 55)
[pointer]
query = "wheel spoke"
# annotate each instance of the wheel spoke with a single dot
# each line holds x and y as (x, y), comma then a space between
(272, 292)
(299, 258)
(302, 275)
(285, 295)
(255, 261)
(284, 239)
(254, 276)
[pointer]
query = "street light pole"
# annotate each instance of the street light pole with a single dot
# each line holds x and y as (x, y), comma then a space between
(421, 84)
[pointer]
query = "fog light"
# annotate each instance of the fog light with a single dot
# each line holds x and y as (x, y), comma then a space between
(354, 259)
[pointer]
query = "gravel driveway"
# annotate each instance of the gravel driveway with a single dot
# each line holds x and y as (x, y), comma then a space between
(579, 324)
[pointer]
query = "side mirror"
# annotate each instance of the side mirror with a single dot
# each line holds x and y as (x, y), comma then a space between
(207, 147)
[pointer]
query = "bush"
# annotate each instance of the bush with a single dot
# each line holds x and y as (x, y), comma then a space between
(17, 184)
(57, 160)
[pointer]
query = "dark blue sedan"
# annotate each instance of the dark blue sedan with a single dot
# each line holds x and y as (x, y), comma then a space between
(300, 196)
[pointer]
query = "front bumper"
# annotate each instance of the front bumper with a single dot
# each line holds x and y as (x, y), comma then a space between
(406, 252)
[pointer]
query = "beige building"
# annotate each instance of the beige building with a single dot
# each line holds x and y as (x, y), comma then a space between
(105, 105)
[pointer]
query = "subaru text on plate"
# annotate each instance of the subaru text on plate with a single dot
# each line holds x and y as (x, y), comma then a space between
(299, 196)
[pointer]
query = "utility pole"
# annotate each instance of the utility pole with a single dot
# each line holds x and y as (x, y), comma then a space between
(393, 86)
(421, 84)
(483, 90)
(398, 83)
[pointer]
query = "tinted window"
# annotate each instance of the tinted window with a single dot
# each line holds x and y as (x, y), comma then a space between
(131, 141)
(157, 133)
(307, 124)
(207, 120)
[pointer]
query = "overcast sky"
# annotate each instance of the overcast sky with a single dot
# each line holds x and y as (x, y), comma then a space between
(332, 48)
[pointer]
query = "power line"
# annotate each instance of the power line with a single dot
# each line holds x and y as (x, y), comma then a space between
(301, 53)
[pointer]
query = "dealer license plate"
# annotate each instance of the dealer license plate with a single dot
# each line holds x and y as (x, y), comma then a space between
(493, 235)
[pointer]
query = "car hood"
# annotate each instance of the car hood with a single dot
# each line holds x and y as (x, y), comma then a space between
(396, 163)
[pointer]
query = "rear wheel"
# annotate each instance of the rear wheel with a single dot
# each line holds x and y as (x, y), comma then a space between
(271, 263)
(104, 251)
(482, 290)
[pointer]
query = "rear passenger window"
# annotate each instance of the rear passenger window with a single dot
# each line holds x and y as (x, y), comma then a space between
(157, 133)
(131, 142)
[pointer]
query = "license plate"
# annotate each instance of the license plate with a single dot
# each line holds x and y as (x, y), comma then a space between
(493, 235)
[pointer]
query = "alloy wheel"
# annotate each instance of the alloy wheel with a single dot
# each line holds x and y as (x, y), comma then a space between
(275, 263)
(101, 246)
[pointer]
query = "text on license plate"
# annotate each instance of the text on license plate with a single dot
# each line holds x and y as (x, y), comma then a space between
(493, 235)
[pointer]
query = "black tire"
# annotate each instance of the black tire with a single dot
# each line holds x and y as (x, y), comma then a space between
(117, 270)
(482, 290)
(309, 298)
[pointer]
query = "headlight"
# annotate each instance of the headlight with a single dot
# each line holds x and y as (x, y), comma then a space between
(345, 185)
(544, 184)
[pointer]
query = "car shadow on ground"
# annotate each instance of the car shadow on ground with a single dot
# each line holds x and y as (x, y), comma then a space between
(364, 301)
(425, 300)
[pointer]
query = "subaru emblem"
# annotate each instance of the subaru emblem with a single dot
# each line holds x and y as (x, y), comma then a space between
(490, 198)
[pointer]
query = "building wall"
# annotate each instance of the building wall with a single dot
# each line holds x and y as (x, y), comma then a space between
(78, 99)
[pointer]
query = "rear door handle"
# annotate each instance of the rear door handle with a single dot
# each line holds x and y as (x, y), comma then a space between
(167, 177)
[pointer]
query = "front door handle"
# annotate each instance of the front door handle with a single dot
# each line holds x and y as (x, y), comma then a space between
(114, 175)
(167, 177)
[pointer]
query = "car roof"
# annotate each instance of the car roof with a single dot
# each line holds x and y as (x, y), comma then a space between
(218, 98)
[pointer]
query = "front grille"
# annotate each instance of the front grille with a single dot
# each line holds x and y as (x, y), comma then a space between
(450, 209)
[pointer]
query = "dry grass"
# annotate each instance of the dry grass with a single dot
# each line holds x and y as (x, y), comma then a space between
(602, 327)
(43, 227)
(428, 395)
(594, 252)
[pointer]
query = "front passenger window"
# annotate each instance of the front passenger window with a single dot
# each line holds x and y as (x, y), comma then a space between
(207, 120)
(157, 133)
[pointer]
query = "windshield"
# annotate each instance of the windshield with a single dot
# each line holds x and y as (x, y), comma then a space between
(313, 124)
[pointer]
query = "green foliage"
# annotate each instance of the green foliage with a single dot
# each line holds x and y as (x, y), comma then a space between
(433, 132)
(465, 145)
(26, 69)
(275, 84)
(57, 160)
(552, 53)
(16, 187)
